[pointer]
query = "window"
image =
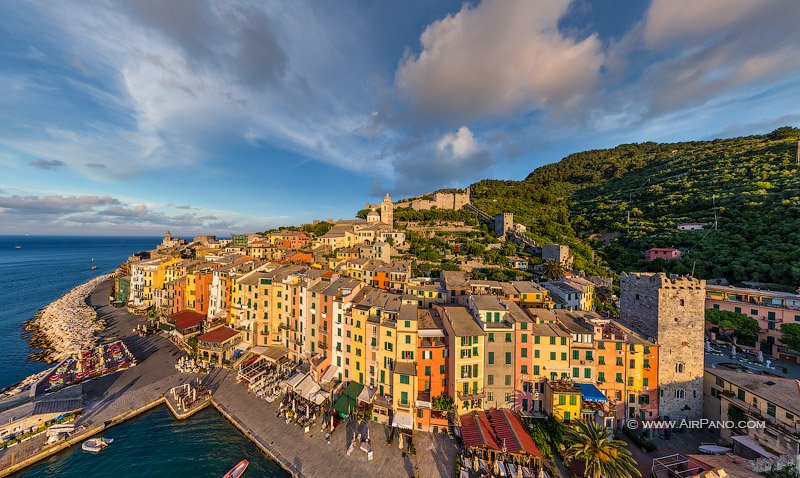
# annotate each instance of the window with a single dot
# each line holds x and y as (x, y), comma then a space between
(601, 377)
(587, 373)
(490, 337)
(523, 369)
(489, 396)
(563, 341)
(523, 352)
(630, 381)
(536, 370)
(536, 339)
(619, 378)
(645, 382)
(552, 355)
(490, 358)
(679, 367)
(575, 354)
(427, 370)
(632, 363)
(740, 394)
(490, 380)
(576, 372)
(552, 340)
(508, 380)
(601, 346)
(536, 353)
(753, 311)
(619, 362)
(601, 360)
(771, 409)
(508, 358)
(508, 337)
(680, 393)
(524, 337)
(573, 400)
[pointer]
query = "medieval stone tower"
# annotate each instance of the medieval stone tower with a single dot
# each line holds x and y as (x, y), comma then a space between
(387, 211)
(502, 223)
(670, 310)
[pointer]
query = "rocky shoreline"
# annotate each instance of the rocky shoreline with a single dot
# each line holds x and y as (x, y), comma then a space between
(66, 325)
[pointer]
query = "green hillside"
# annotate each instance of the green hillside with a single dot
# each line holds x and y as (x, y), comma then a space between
(750, 184)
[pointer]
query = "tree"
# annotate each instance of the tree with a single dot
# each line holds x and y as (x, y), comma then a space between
(790, 336)
(743, 327)
(553, 269)
(443, 403)
(603, 456)
(362, 214)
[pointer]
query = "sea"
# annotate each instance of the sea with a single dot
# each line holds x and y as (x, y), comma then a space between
(34, 271)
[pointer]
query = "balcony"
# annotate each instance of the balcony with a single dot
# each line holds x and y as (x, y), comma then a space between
(322, 345)
(472, 395)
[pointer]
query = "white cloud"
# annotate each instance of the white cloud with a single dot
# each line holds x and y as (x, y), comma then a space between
(496, 58)
(686, 21)
(458, 145)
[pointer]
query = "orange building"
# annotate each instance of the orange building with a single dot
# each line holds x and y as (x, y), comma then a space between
(179, 299)
(431, 370)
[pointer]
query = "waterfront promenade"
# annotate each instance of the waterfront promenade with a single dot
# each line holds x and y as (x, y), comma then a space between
(117, 397)
(310, 455)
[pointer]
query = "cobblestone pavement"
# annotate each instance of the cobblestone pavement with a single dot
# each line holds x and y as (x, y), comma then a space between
(310, 455)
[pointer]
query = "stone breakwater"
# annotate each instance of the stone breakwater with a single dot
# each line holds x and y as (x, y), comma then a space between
(67, 325)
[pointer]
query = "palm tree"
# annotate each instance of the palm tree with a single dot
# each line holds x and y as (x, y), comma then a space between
(553, 269)
(603, 456)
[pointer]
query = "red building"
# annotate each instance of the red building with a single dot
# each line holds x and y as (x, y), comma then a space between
(431, 370)
(666, 253)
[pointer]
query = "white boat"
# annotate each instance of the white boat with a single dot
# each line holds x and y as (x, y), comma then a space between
(237, 470)
(713, 449)
(95, 445)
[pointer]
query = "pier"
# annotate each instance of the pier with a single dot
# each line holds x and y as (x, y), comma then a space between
(112, 399)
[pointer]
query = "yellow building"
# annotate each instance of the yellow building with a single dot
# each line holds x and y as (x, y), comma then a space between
(562, 400)
(466, 343)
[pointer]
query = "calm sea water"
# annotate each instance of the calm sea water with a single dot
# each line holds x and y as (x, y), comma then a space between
(44, 268)
(153, 445)
(156, 445)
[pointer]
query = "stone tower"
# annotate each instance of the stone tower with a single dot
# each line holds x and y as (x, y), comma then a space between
(502, 223)
(387, 211)
(670, 310)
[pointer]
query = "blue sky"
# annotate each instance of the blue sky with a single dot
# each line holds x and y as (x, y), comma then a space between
(133, 117)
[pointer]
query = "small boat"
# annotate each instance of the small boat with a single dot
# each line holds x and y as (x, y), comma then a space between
(95, 445)
(94, 268)
(713, 449)
(237, 470)
(17, 247)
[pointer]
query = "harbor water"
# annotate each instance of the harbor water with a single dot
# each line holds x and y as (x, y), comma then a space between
(34, 271)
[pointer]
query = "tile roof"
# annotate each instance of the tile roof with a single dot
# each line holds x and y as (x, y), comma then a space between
(495, 430)
(218, 335)
(186, 319)
(461, 321)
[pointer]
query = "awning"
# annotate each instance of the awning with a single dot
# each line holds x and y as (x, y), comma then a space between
(748, 442)
(319, 397)
(275, 353)
(242, 346)
(591, 393)
(293, 381)
(259, 349)
(329, 374)
(344, 405)
(403, 420)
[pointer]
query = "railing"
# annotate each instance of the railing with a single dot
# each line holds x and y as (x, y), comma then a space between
(473, 395)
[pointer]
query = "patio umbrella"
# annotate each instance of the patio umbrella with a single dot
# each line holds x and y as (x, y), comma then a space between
(733, 350)
(541, 472)
(760, 356)
(496, 467)
(475, 463)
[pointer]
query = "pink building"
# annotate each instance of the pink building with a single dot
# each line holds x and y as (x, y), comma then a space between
(770, 308)
(666, 253)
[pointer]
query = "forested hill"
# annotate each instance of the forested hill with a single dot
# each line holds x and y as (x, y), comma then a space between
(750, 184)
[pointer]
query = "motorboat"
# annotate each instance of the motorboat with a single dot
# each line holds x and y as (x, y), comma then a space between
(95, 445)
(237, 470)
